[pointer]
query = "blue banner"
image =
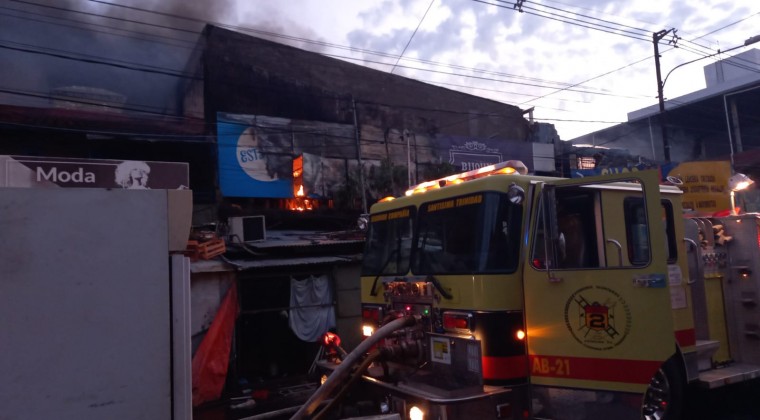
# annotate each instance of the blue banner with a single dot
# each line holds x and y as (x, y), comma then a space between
(245, 167)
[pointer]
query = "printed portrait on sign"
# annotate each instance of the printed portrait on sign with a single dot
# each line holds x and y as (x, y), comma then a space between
(132, 175)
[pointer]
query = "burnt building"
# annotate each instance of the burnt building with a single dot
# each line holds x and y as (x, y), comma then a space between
(363, 133)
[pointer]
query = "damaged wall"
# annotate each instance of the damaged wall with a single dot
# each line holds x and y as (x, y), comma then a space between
(256, 155)
(308, 103)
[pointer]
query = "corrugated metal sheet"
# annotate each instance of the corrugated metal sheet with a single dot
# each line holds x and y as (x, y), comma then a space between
(295, 238)
(221, 264)
(290, 262)
(255, 255)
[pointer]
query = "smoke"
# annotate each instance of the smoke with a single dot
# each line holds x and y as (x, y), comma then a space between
(135, 49)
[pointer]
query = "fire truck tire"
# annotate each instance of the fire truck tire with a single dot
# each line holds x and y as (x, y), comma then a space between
(664, 398)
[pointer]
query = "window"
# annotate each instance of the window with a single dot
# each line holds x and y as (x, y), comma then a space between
(637, 231)
(477, 233)
(574, 244)
(637, 234)
(389, 243)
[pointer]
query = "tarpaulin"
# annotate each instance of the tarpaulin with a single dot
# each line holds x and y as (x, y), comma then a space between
(211, 360)
(311, 313)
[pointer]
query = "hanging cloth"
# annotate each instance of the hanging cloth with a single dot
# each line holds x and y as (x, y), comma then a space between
(311, 308)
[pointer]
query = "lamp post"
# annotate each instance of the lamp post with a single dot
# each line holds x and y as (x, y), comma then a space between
(656, 37)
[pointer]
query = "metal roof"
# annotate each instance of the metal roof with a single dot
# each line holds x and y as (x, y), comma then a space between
(310, 248)
(222, 264)
(301, 238)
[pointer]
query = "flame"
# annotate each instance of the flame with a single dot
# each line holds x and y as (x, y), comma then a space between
(300, 191)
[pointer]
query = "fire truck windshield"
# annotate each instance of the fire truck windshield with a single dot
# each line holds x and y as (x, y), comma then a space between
(476, 233)
(389, 243)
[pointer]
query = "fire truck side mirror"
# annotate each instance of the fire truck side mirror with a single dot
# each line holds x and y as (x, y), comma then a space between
(516, 194)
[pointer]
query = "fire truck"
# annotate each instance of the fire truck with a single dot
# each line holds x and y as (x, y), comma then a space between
(494, 294)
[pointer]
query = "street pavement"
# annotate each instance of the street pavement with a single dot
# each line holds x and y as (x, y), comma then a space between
(733, 402)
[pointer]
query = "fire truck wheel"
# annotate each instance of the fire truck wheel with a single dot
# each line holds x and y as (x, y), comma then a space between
(664, 397)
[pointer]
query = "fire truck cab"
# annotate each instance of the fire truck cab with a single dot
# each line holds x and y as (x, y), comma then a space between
(536, 297)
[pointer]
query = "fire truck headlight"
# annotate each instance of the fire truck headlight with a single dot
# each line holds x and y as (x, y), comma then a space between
(416, 413)
(520, 335)
(367, 330)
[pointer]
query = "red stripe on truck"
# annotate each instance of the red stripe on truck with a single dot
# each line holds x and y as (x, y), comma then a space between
(594, 369)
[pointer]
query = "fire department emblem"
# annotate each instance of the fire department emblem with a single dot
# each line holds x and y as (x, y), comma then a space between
(598, 317)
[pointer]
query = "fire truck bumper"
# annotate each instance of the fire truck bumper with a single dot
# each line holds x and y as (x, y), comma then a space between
(419, 394)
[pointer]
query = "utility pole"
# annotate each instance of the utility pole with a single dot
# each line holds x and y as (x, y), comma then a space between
(359, 156)
(656, 37)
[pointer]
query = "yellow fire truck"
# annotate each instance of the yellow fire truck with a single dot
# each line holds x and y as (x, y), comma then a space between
(497, 294)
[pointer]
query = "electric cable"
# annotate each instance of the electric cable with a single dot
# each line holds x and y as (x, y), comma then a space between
(83, 26)
(197, 20)
(388, 55)
(412, 37)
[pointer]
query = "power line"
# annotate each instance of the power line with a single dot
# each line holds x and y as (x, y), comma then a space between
(137, 22)
(388, 55)
(94, 61)
(487, 78)
(569, 20)
(604, 26)
(304, 40)
(588, 80)
(638, 30)
(497, 90)
(413, 34)
(583, 23)
(332, 45)
(726, 26)
(81, 27)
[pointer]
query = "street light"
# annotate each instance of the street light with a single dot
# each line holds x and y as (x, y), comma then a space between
(656, 37)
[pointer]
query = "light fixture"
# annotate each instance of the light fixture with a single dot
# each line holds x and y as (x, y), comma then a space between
(520, 335)
(737, 182)
(367, 330)
(515, 194)
(416, 413)
(674, 180)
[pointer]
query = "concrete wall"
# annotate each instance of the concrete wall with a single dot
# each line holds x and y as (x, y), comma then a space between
(248, 75)
(86, 305)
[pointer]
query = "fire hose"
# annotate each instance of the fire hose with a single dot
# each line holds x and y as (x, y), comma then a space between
(345, 367)
(374, 355)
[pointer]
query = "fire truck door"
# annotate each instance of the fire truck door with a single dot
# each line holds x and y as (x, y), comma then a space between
(597, 302)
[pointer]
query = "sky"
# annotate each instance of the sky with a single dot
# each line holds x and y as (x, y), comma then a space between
(583, 65)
